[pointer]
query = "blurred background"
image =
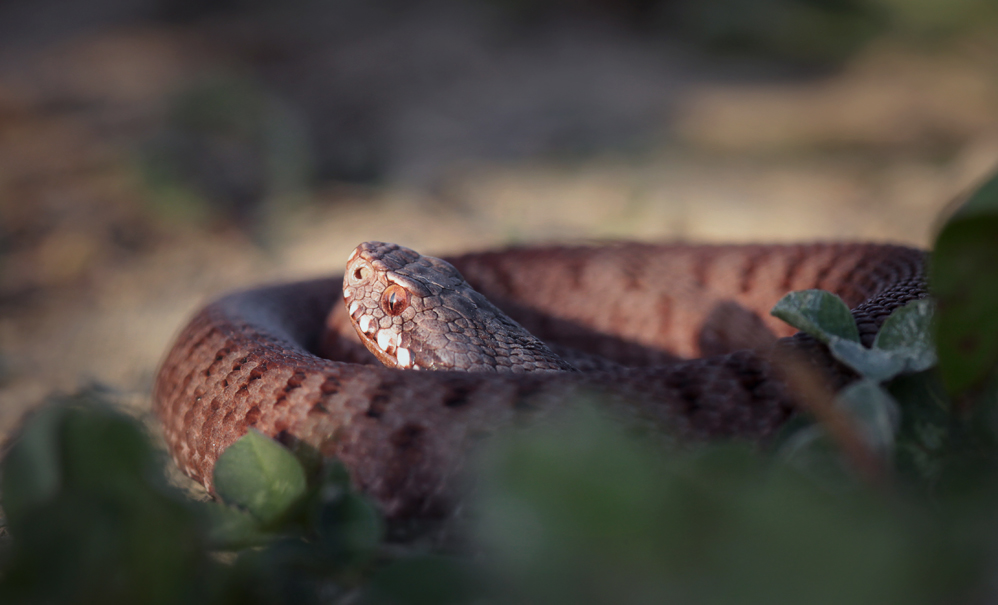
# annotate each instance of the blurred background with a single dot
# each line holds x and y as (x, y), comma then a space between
(156, 153)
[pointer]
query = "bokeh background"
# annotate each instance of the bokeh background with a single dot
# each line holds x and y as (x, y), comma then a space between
(156, 153)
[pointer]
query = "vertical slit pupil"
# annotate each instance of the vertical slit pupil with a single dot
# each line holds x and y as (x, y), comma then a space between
(395, 300)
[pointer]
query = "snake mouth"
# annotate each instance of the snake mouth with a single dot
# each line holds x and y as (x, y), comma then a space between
(385, 343)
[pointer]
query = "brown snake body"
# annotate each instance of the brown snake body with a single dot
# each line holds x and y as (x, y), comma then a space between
(677, 322)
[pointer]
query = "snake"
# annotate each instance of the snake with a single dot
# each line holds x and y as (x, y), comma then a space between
(406, 364)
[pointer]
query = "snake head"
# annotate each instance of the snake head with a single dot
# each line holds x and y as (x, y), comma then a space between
(417, 312)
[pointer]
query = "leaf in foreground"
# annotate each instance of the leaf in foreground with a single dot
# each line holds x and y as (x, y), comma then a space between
(964, 280)
(875, 413)
(818, 313)
(581, 514)
(874, 364)
(260, 475)
(108, 530)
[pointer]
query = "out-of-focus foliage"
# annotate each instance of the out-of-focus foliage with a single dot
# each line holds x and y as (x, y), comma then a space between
(230, 151)
(903, 344)
(964, 274)
(259, 475)
(582, 514)
(819, 313)
(800, 31)
(92, 520)
(926, 19)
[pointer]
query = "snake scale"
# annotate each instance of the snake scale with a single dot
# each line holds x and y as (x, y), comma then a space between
(676, 332)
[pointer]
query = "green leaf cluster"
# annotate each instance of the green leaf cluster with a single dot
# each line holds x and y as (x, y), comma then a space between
(902, 346)
(583, 513)
(90, 517)
(92, 520)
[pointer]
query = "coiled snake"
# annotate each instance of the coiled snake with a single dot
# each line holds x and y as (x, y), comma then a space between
(672, 331)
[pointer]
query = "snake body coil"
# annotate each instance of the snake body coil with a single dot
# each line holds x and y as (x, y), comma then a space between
(674, 324)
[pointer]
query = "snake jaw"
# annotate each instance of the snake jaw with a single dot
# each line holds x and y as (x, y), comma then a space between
(385, 357)
(386, 346)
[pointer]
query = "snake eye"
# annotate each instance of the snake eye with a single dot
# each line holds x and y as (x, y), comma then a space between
(395, 300)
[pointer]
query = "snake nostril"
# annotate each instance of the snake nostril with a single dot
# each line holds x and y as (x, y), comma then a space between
(360, 273)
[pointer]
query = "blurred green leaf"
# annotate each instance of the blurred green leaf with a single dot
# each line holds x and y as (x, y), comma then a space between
(926, 427)
(94, 521)
(579, 513)
(84, 548)
(927, 20)
(907, 333)
(260, 475)
(795, 30)
(875, 414)
(232, 151)
(873, 363)
(233, 529)
(31, 472)
(903, 345)
(812, 451)
(818, 313)
(106, 451)
(350, 528)
(289, 571)
(874, 411)
(426, 580)
(74, 443)
(964, 280)
(107, 530)
(908, 327)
